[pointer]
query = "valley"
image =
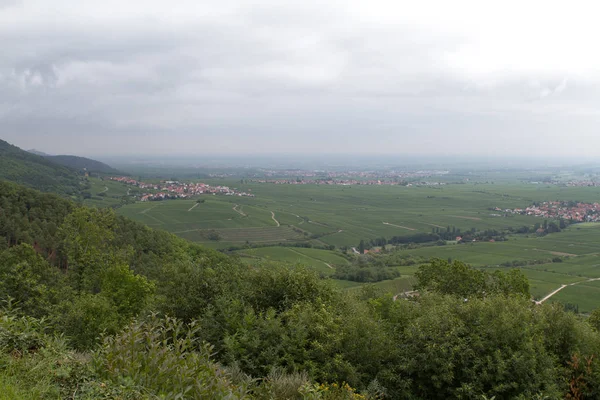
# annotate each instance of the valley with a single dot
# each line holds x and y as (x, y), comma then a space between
(281, 223)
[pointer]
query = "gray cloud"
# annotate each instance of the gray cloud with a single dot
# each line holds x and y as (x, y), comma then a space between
(264, 76)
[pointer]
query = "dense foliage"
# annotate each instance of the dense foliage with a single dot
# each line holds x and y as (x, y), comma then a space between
(102, 307)
(37, 172)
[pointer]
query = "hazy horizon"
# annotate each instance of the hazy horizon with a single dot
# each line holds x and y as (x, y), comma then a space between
(240, 77)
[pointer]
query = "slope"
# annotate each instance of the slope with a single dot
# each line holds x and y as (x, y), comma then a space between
(81, 163)
(37, 172)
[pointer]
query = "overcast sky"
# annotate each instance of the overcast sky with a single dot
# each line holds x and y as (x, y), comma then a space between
(286, 76)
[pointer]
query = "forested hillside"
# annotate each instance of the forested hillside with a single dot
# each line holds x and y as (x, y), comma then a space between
(37, 172)
(81, 163)
(96, 306)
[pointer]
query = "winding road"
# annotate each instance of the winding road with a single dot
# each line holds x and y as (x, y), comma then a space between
(235, 208)
(273, 216)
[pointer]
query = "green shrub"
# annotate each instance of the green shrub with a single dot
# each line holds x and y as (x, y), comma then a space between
(86, 318)
(21, 335)
(162, 357)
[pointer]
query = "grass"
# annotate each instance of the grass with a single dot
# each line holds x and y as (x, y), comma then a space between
(314, 258)
(8, 391)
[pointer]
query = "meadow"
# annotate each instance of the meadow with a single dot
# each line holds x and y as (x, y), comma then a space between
(341, 216)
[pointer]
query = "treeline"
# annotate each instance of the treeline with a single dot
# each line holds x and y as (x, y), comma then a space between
(376, 267)
(523, 263)
(364, 274)
(439, 235)
(127, 312)
(542, 228)
(303, 245)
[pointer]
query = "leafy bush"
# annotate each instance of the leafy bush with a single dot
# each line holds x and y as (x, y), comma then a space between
(163, 357)
(85, 318)
(21, 335)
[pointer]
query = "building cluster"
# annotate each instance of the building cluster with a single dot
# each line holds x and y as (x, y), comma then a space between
(345, 182)
(583, 183)
(313, 175)
(569, 210)
(571, 183)
(177, 190)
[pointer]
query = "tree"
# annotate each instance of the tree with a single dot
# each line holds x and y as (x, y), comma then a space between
(87, 235)
(361, 247)
(458, 278)
(562, 223)
(31, 283)
(127, 291)
(594, 319)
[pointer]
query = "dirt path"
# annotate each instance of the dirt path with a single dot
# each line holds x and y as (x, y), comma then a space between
(235, 208)
(355, 251)
(564, 286)
(399, 226)
(105, 189)
(552, 294)
(273, 216)
(407, 293)
(147, 209)
(194, 206)
(145, 212)
(462, 216)
(437, 226)
(556, 253)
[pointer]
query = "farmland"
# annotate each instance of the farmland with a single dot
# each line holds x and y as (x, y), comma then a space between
(340, 216)
(106, 193)
(343, 215)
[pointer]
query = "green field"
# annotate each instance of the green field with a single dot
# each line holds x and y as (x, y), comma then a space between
(106, 193)
(343, 215)
(579, 246)
(321, 260)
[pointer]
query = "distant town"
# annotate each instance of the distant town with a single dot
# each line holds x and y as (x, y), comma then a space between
(312, 176)
(568, 210)
(345, 182)
(177, 190)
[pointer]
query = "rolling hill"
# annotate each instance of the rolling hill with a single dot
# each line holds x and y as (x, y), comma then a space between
(20, 166)
(81, 163)
(38, 153)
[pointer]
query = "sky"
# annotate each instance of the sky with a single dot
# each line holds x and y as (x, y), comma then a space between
(518, 78)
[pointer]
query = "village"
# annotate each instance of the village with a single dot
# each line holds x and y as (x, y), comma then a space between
(573, 211)
(345, 182)
(177, 190)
